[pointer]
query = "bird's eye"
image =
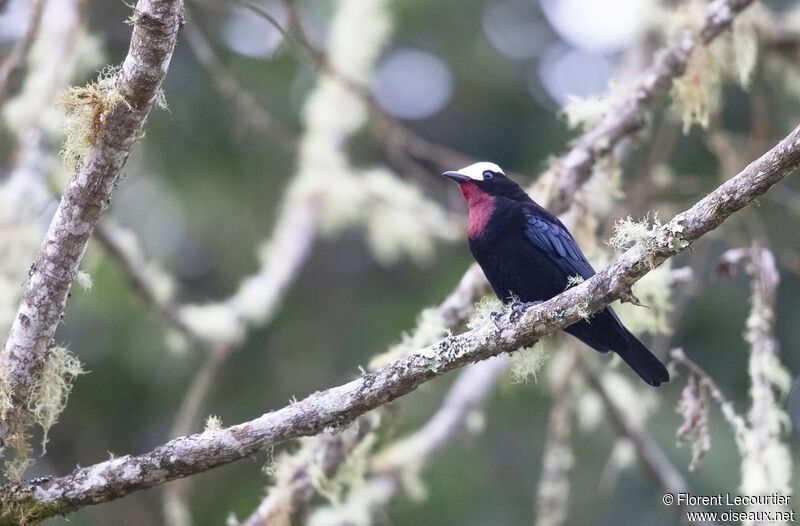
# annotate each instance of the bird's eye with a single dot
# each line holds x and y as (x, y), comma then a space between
(487, 175)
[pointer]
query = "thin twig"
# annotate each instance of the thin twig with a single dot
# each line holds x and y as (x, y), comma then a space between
(648, 453)
(123, 248)
(249, 111)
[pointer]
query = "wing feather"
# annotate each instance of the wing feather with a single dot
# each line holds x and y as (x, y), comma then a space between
(550, 237)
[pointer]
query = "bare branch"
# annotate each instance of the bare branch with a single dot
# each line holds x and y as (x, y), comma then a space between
(650, 456)
(340, 405)
(87, 192)
(250, 113)
(153, 286)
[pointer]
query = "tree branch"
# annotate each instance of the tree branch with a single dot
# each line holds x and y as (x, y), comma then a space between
(85, 197)
(249, 112)
(628, 117)
(340, 405)
(649, 455)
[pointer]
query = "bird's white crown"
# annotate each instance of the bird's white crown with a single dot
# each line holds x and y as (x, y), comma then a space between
(475, 171)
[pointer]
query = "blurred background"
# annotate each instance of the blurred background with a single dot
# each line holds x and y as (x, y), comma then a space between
(511, 81)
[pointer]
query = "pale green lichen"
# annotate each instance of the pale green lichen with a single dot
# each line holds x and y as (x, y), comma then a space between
(389, 202)
(485, 308)
(731, 57)
(34, 103)
(582, 310)
(27, 511)
(629, 233)
(648, 239)
(573, 281)
(697, 92)
(17, 440)
(87, 108)
(84, 280)
(6, 396)
(213, 423)
(270, 466)
(526, 363)
(744, 34)
(693, 407)
(135, 15)
(52, 387)
(161, 100)
(585, 112)
(350, 474)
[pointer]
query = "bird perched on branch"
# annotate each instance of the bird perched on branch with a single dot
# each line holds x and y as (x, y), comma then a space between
(528, 255)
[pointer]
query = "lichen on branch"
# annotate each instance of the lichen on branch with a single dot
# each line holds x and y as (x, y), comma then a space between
(87, 108)
(114, 128)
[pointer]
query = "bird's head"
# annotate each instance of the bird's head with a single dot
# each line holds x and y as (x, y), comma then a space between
(484, 179)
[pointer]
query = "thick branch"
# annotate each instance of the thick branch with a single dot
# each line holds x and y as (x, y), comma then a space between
(86, 195)
(341, 405)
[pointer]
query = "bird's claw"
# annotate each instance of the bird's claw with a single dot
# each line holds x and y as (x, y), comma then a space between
(495, 317)
(519, 308)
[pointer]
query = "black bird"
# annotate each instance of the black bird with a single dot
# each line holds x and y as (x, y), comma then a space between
(527, 254)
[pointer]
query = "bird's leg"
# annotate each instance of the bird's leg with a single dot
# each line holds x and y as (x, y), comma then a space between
(518, 308)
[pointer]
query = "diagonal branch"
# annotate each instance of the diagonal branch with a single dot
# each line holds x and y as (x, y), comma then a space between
(340, 405)
(629, 117)
(249, 112)
(85, 197)
(625, 119)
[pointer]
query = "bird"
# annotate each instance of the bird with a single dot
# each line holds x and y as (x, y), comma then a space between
(528, 256)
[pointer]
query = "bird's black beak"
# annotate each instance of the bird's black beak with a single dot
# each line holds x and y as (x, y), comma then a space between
(456, 176)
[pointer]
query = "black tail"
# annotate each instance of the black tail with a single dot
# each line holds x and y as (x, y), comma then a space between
(641, 360)
(604, 332)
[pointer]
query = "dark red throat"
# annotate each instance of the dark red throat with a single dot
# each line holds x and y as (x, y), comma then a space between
(481, 206)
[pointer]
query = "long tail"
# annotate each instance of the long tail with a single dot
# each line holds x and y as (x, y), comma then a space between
(641, 360)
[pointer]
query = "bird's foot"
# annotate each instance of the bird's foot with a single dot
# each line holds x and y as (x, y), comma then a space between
(495, 317)
(519, 308)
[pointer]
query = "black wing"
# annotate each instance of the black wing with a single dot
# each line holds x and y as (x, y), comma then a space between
(551, 237)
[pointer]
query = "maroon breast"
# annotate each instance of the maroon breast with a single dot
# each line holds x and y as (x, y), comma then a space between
(481, 206)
